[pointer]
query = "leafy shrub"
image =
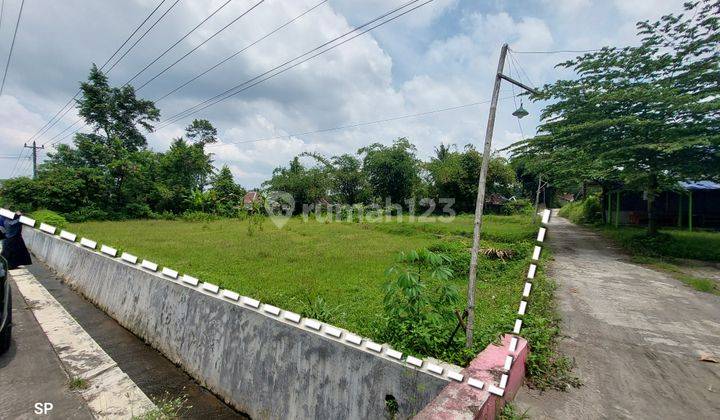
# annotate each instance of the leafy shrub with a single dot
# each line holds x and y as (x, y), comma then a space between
(319, 309)
(85, 214)
(419, 303)
(457, 253)
(198, 216)
(586, 211)
(522, 206)
(49, 217)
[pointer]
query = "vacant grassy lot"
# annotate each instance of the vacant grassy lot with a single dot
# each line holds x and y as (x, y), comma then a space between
(331, 271)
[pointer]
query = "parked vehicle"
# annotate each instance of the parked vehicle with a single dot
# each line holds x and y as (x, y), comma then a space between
(5, 307)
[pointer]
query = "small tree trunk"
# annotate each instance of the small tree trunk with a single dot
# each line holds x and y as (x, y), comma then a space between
(652, 228)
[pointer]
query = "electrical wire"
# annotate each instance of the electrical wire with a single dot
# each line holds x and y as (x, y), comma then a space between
(12, 47)
(143, 35)
(68, 106)
(262, 77)
(2, 10)
(54, 120)
(355, 125)
(235, 54)
(518, 66)
(199, 45)
(178, 41)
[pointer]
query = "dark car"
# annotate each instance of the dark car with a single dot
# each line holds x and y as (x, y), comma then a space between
(5, 307)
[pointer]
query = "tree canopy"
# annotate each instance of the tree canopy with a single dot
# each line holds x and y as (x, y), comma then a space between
(645, 116)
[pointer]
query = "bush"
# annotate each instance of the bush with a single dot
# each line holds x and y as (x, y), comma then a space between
(49, 217)
(588, 211)
(522, 206)
(198, 216)
(85, 214)
(419, 302)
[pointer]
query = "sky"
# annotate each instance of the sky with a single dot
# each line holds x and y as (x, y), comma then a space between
(442, 55)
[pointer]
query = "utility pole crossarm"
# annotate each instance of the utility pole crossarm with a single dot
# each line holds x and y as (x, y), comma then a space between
(519, 84)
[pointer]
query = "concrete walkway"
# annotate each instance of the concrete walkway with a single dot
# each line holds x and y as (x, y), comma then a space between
(31, 373)
(108, 391)
(634, 333)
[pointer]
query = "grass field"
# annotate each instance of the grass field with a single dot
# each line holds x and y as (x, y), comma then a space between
(671, 243)
(332, 271)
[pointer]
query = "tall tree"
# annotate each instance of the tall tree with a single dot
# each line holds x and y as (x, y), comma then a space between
(454, 175)
(116, 111)
(647, 116)
(392, 171)
(348, 181)
(306, 185)
(184, 168)
(228, 195)
(201, 132)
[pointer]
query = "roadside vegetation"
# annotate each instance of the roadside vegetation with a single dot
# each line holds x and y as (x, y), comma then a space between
(690, 257)
(78, 384)
(166, 408)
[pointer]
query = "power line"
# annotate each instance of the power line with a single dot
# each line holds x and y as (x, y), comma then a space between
(55, 119)
(516, 62)
(129, 49)
(12, 46)
(143, 35)
(200, 45)
(355, 125)
(229, 93)
(178, 41)
(2, 10)
(235, 54)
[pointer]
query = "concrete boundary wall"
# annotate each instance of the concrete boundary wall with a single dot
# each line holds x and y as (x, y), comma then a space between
(263, 361)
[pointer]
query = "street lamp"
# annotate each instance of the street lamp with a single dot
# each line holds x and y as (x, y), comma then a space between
(479, 204)
(520, 112)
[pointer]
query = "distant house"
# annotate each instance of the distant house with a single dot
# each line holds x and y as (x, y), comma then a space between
(567, 197)
(497, 199)
(693, 204)
(251, 199)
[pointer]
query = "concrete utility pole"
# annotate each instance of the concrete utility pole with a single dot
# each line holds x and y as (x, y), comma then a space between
(34, 148)
(480, 203)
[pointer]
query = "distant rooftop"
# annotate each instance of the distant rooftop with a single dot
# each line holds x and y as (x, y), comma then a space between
(699, 185)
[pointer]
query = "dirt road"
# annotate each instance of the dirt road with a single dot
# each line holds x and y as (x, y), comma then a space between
(634, 333)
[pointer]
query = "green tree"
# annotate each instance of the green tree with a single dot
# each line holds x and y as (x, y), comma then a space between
(116, 112)
(306, 185)
(455, 175)
(646, 116)
(184, 168)
(228, 195)
(348, 181)
(392, 171)
(202, 132)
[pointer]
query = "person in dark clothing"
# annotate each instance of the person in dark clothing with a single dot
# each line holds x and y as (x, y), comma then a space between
(13, 250)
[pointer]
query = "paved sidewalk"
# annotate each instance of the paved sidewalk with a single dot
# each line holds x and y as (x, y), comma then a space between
(109, 392)
(635, 334)
(156, 376)
(30, 372)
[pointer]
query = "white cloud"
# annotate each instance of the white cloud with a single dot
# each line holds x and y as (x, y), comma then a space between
(442, 55)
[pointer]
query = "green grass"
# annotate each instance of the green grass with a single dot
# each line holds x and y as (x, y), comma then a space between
(336, 271)
(679, 271)
(670, 243)
(78, 383)
(166, 408)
